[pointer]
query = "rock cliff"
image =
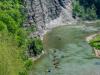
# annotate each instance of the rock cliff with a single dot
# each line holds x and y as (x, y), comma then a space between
(48, 13)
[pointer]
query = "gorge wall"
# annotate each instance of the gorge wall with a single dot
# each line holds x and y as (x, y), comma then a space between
(48, 13)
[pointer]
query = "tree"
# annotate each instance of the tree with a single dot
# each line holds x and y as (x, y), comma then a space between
(91, 13)
(85, 9)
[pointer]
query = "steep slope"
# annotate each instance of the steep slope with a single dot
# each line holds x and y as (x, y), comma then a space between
(49, 12)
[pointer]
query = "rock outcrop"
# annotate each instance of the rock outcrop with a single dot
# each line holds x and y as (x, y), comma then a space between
(48, 13)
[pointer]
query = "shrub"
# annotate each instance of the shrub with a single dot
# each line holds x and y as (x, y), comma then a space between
(22, 73)
(21, 37)
(9, 21)
(28, 64)
(39, 45)
(36, 45)
(2, 26)
(95, 42)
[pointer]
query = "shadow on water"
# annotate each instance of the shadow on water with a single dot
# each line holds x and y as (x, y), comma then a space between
(68, 52)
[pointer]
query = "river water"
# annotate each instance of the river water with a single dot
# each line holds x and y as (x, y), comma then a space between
(68, 53)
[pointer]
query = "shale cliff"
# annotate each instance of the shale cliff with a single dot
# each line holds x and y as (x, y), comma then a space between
(48, 13)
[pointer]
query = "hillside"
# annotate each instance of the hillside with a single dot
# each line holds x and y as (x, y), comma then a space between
(24, 22)
(12, 39)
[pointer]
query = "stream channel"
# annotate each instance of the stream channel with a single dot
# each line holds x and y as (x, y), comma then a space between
(67, 52)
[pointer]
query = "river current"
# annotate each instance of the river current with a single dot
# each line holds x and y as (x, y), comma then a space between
(67, 52)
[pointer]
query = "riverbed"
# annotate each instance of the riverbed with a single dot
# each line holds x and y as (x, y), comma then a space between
(67, 52)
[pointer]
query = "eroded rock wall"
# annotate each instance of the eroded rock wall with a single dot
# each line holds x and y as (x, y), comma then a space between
(46, 14)
(49, 12)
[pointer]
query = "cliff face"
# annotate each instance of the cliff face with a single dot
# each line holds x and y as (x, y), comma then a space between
(49, 12)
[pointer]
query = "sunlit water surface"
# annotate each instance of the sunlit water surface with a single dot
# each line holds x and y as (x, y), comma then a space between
(68, 53)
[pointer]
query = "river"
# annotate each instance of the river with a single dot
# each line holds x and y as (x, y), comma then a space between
(68, 53)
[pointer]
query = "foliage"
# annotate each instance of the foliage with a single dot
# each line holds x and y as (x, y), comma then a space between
(28, 64)
(96, 42)
(2, 26)
(10, 23)
(13, 39)
(10, 60)
(21, 37)
(91, 13)
(11, 19)
(77, 9)
(85, 9)
(36, 45)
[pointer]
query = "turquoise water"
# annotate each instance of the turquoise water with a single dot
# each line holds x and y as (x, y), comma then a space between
(68, 53)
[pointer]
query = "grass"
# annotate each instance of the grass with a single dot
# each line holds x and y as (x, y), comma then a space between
(10, 59)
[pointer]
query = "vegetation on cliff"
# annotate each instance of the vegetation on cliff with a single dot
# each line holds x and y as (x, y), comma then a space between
(14, 39)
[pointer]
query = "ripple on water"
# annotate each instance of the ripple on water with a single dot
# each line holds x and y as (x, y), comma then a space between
(68, 47)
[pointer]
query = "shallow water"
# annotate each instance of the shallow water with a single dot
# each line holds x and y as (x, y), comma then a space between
(68, 53)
